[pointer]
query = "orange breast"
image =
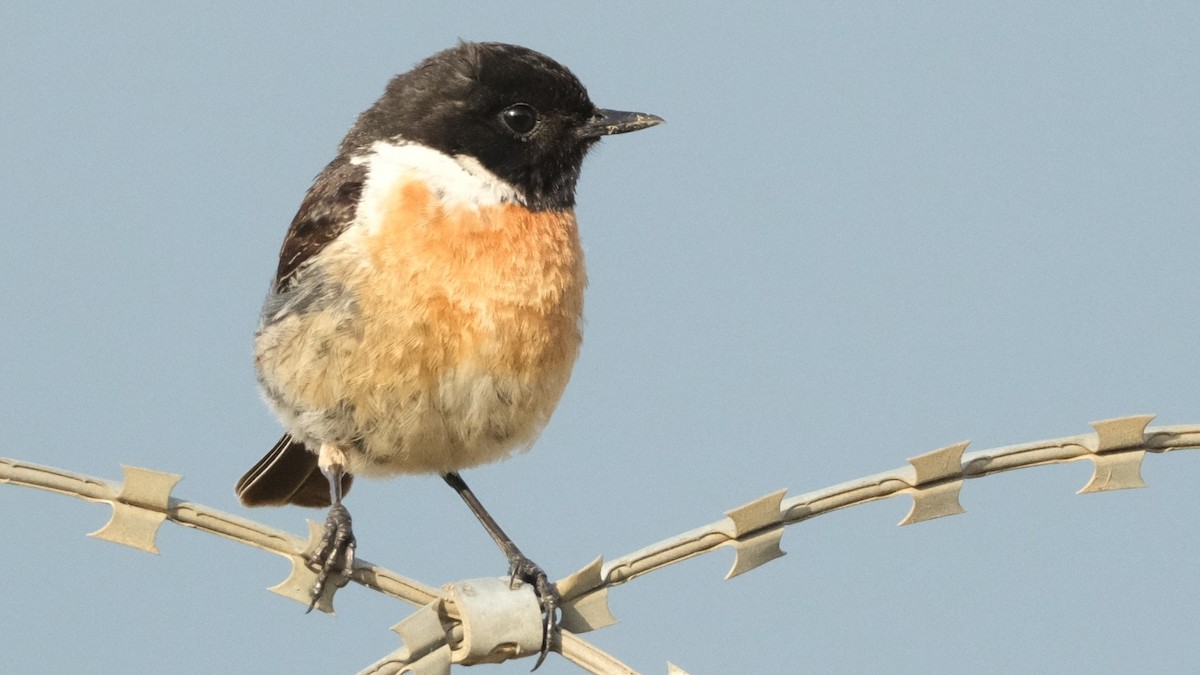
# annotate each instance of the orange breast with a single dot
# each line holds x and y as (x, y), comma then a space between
(466, 327)
(499, 283)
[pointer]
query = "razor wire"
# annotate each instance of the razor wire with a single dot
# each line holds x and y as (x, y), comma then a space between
(486, 621)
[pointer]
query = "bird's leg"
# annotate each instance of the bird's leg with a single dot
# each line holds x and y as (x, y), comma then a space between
(337, 544)
(519, 567)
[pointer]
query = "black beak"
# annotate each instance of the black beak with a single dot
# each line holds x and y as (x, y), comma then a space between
(609, 122)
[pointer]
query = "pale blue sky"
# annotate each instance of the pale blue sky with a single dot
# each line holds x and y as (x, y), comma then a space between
(867, 231)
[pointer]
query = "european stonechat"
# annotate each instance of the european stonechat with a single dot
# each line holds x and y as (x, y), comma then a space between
(426, 311)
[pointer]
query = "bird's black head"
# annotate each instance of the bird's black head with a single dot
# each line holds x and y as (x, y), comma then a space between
(522, 115)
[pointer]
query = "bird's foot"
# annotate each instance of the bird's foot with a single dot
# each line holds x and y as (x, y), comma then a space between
(524, 569)
(335, 554)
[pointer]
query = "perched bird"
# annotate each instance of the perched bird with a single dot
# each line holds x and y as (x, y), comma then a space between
(425, 314)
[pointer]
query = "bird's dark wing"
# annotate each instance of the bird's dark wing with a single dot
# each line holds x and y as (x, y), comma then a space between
(327, 210)
(288, 474)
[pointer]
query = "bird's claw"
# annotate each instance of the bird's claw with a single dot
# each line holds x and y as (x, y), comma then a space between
(524, 569)
(335, 553)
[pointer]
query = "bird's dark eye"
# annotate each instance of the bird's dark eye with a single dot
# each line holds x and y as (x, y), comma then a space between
(520, 118)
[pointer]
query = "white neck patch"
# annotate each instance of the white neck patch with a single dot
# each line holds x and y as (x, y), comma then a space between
(460, 180)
